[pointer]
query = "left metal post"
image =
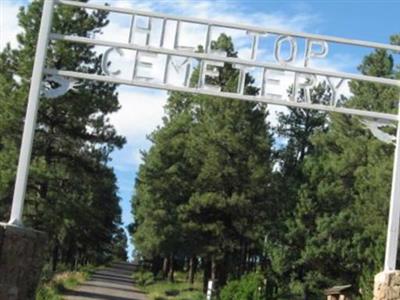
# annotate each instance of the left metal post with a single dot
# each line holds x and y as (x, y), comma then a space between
(31, 114)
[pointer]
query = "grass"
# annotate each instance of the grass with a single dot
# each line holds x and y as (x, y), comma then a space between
(52, 289)
(165, 290)
(179, 291)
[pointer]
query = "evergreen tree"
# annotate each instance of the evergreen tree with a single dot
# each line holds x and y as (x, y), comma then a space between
(71, 193)
(163, 183)
(203, 187)
(340, 221)
(119, 245)
(295, 129)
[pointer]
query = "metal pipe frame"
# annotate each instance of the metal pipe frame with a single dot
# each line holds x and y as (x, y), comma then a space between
(218, 58)
(39, 70)
(202, 91)
(31, 115)
(392, 238)
(257, 29)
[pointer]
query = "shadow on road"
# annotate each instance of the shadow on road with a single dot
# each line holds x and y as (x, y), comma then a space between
(110, 278)
(92, 285)
(112, 283)
(90, 295)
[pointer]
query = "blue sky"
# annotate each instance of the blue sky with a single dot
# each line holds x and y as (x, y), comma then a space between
(362, 19)
(369, 20)
(142, 108)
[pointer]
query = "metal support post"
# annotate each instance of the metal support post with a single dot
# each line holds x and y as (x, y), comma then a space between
(31, 114)
(392, 238)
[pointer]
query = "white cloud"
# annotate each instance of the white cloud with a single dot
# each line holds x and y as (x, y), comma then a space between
(222, 10)
(118, 30)
(141, 111)
(8, 22)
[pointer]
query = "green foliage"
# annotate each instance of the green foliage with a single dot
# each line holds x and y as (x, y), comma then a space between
(201, 189)
(72, 192)
(337, 231)
(50, 289)
(207, 187)
(47, 293)
(249, 287)
(143, 278)
(119, 245)
(178, 290)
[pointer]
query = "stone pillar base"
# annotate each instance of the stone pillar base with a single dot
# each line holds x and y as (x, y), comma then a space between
(21, 261)
(387, 286)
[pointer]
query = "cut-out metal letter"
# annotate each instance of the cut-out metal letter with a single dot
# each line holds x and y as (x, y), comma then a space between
(306, 84)
(271, 83)
(178, 66)
(278, 48)
(105, 63)
(136, 28)
(242, 78)
(176, 41)
(143, 65)
(210, 69)
(254, 45)
(334, 89)
(311, 52)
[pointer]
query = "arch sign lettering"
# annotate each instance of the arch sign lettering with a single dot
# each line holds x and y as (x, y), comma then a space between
(156, 54)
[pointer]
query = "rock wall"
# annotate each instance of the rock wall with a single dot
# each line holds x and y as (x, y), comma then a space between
(21, 261)
(387, 286)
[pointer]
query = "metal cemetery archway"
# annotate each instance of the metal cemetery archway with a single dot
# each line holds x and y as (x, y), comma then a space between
(179, 57)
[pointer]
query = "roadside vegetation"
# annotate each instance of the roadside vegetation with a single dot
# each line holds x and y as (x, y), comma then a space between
(51, 288)
(249, 287)
(161, 289)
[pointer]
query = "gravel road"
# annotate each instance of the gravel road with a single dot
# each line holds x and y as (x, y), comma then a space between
(112, 283)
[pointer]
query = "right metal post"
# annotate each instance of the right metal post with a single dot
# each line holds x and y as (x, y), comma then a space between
(394, 212)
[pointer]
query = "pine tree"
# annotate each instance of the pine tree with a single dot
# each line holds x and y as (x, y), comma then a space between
(339, 223)
(163, 183)
(295, 129)
(202, 190)
(119, 245)
(70, 186)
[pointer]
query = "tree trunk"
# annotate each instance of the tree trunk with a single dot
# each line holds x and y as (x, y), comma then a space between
(76, 261)
(206, 273)
(213, 268)
(157, 265)
(55, 256)
(192, 269)
(171, 268)
(248, 262)
(165, 268)
(242, 260)
(221, 270)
